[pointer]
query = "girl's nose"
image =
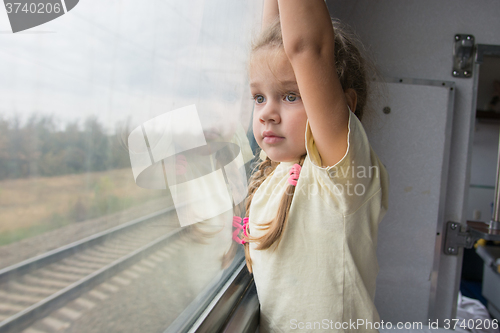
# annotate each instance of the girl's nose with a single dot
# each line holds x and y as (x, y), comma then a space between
(270, 113)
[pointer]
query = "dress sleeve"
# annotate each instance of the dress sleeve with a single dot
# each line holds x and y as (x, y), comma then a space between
(358, 175)
(313, 153)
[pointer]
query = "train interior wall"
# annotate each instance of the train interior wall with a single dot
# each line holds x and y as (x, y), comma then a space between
(414, 39)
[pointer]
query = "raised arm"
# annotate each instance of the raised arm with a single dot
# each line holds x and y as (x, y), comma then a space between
(270, 12)
(308, 39)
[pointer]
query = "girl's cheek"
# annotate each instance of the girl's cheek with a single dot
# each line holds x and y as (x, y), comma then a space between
(255, 129)
(255, 121)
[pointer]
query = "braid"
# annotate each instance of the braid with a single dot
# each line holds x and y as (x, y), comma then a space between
(264, 169)
(276, 226)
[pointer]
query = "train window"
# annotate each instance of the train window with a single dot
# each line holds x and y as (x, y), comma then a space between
(123, 158)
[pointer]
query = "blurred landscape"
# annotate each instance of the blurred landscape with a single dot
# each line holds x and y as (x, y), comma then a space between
(52, 177)
(37, 147)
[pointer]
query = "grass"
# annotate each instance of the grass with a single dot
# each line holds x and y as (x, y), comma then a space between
(29, 207)
(18, 234)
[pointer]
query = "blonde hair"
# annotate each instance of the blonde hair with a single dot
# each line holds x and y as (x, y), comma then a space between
(351, 70)
(276, 226)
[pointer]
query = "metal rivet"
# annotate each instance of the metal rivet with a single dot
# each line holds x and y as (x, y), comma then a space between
(451, 249)
(387, 110)
(465, 72)
(453, 226)
(469, 37)
(457, 37)
(455, 73)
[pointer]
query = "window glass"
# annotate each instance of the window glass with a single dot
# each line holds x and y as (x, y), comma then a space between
(123, 158)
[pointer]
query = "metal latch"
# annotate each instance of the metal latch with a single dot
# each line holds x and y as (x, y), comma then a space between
(463, 55)
(455, 238)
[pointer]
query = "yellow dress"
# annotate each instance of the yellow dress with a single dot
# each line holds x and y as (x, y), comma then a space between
(321, 277)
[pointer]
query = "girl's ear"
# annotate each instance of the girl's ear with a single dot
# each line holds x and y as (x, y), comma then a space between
(352, 98)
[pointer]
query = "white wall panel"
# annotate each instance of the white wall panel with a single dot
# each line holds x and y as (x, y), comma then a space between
(415, 153)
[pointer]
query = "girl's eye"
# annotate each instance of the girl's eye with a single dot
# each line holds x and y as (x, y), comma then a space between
(259, 99)
(291, 97)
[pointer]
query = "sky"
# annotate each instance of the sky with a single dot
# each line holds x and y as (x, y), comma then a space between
(122, 60)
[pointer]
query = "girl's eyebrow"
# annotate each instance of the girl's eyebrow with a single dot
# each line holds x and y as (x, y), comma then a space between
(284, 85)
(289, 84)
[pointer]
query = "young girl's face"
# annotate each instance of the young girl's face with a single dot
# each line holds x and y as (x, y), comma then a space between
(279, 118)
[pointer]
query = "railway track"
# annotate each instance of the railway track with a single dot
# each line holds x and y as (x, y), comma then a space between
(34, 288)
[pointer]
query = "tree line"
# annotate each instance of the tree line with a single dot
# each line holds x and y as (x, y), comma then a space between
(38, 147)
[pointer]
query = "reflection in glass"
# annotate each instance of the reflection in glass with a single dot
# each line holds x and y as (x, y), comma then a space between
(139, 228)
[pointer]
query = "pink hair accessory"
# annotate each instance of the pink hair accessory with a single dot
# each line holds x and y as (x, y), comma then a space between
(245, 226)
(237, 222)
(240, 227)
(294, 174)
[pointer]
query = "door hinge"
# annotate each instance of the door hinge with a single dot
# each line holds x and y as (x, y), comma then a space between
(463, 55)
(454, 238)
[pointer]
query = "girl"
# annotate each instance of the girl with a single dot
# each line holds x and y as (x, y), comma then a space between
(316, 200)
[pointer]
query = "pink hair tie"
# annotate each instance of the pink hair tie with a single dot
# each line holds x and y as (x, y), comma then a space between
(237, 222)
(245, 226)
(294, 174)
(239, 227)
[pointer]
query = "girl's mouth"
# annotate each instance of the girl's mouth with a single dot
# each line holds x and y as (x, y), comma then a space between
(272, 139)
